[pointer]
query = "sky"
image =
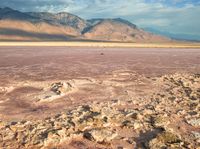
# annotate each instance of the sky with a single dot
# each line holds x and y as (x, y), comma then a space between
(172, 16)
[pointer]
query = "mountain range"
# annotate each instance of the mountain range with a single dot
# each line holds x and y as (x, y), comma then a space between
(63, 26)
(175, 36)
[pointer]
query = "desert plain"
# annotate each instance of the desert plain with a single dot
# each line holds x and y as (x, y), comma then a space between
(89, 97)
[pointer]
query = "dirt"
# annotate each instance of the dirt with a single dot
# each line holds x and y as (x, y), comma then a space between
(161, 86)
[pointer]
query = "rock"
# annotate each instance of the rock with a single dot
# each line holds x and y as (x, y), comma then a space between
(2, 124)
(194, 122)
(164, 140)
(155, 144)
(52, 138)
(131, 124)
(147, 112)
(196, 135)
(61, 87)
(130, 140)
(160, 121)
(100, 135)
(128, 124)
(168, 137)
(133, 115)
(9, 136)
(137, 125)
(88, 136)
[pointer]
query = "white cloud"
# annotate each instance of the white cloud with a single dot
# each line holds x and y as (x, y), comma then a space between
(157, 15)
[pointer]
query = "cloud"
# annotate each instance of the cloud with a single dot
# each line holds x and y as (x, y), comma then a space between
(175, 16)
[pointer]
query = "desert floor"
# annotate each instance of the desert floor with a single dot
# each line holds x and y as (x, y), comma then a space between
(87, 97)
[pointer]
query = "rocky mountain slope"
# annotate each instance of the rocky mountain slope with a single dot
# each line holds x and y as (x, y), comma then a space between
(119, 30)
(16, 25)
(62, 18)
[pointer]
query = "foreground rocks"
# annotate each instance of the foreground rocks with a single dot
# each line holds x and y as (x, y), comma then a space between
(167, 118)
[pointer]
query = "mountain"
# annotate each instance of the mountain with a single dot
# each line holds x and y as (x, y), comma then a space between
(40, 26)
(119, 30)
(15, 25)
(63, 18)
(177, 36)
(119, 20)
(8, 13)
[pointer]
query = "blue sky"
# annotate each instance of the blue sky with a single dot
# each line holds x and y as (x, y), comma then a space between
(173, 16)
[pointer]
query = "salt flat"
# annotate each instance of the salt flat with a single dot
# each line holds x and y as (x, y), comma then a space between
(99, 96)
(173, 44)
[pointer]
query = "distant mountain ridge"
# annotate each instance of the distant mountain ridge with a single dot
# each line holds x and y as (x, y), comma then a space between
(40, 26)
(176, 36)
(8, 13)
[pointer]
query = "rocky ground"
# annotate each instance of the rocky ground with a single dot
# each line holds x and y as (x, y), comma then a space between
(167, 117)
(99, 98)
